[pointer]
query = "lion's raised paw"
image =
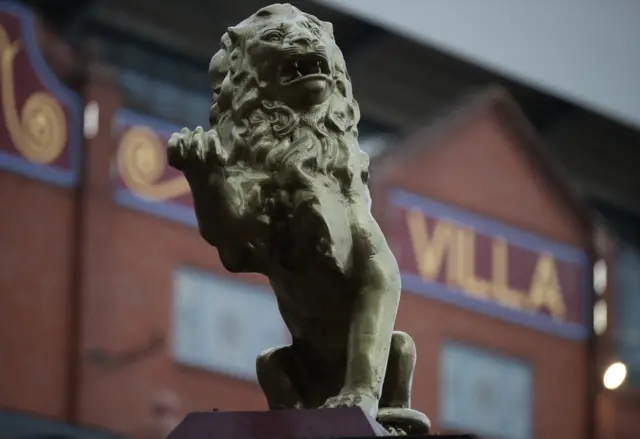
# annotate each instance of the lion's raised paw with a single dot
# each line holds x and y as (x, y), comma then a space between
(193, 148)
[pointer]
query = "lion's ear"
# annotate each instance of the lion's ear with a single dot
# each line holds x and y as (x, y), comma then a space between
(234, 34)
(328, 27)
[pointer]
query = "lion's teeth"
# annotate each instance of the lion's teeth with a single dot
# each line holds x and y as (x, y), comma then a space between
(296, 69)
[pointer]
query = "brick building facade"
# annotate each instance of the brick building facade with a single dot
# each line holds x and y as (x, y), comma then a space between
(103, 277)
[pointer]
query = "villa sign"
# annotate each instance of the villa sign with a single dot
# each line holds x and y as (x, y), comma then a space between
(477, 263)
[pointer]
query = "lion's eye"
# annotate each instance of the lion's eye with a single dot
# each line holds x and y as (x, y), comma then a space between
(272, 36)
(316, 32)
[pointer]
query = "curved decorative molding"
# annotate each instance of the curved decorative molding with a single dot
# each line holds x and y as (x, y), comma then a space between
(142, 163)
(145, 181)
(41, 137)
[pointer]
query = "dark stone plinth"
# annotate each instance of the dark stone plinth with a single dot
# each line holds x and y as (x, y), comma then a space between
(278, 424)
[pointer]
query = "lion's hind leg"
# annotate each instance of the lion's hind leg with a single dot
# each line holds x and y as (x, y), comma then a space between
(395, 412)
(274, 368)
(396, 390)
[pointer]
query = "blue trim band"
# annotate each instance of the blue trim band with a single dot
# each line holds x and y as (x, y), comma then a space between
(48, 174)
(171, 211)
(458, 298)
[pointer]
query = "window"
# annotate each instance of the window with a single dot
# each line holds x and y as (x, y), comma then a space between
(484, 393)
(222, 324)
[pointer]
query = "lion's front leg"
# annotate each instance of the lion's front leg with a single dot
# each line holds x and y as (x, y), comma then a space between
(225, 197)
(202, 159)
(373, 318)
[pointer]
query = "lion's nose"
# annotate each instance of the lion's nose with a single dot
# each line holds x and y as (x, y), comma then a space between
(301, 40)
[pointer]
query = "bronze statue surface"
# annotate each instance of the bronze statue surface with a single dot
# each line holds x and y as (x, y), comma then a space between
(280, 188)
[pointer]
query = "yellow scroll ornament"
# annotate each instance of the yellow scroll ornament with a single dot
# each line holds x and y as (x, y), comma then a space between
(39, 133)
(142, 162)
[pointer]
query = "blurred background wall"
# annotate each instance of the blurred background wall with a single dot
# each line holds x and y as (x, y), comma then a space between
(508, 191)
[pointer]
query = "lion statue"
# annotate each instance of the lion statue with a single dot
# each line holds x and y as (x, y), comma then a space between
(279, 185)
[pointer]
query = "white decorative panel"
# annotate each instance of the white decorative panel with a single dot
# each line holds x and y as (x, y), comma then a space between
(222, 324)
(484, 393)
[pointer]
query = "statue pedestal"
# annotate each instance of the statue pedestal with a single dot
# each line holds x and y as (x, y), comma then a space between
(279, 424)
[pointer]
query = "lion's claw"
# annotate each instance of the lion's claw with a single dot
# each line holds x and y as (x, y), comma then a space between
(177, 150)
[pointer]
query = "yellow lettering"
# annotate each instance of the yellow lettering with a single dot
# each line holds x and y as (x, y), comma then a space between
(429, 251)
(467, 266)
(545, 287)
(503, 293)
(457, 260)
(453, 269)
(457, 246)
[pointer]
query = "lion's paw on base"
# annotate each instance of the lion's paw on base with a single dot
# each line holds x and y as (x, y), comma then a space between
(403, 421)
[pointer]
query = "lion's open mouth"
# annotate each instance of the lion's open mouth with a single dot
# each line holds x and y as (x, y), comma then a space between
(304, 67)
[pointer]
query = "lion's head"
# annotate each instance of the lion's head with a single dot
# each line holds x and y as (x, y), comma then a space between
(283, 103)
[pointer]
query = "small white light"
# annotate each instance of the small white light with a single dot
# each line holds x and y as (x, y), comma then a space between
(91, 120)
(600, 317)
(600, 277)
(614, 376)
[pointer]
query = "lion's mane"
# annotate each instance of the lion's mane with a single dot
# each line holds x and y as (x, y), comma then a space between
(270, 145)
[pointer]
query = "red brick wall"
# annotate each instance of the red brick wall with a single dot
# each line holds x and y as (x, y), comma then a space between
(476, 167)
(36, 230)
(625, 421)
